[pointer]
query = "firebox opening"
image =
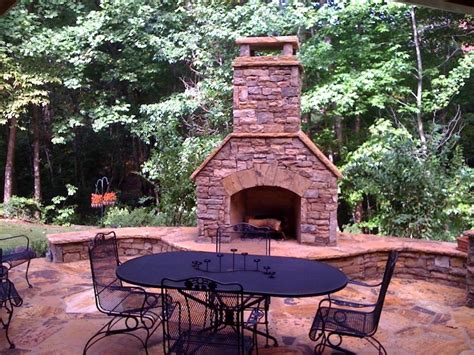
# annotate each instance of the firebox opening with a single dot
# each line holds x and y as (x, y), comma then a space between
(264, 202)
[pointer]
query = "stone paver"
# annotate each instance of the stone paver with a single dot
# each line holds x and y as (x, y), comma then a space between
(59, 316)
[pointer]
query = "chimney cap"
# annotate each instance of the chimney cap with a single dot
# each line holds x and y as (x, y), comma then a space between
(271, 42)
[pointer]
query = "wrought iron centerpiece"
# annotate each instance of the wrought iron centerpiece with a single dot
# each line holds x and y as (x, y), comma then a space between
(240, 263)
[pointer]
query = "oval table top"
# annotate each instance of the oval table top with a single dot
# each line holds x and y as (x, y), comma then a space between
(259, 275)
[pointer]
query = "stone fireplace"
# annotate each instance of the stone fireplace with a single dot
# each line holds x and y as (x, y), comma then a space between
(268, 168)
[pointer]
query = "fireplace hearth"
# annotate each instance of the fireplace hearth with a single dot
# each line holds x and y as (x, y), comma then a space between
(268, 168)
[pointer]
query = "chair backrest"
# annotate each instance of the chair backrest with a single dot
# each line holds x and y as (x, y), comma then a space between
(245, 237)
(387, 276)
(206, 316)
(103, 255)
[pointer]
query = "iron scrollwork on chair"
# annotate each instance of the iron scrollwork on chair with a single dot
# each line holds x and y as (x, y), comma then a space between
(9, 298)
(19, 255)
(130, 308)
(206, 317)
(350, 318)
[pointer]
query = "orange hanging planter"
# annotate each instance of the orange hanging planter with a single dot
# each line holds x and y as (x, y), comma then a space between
(96, 200)
(109, 198)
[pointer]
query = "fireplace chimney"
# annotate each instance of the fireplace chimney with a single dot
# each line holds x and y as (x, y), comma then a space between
(267, 89)
(267, 168)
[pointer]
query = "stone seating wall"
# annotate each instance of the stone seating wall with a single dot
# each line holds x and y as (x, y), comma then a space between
(443, 269)
(436, 262)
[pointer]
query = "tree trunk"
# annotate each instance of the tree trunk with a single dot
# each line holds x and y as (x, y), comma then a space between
(358, 213)
(10, 162)
(419, 78)
(35, 122)
(357, 126)
(339, 135)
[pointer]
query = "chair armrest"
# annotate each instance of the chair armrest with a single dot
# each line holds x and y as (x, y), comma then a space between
(364, 284)
(340, 302)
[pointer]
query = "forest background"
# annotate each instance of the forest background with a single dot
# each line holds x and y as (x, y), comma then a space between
(141, 92)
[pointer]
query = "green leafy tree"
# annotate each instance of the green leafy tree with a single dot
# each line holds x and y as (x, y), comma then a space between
(416, 192)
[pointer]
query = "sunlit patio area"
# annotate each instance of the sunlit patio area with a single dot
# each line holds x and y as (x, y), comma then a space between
(59, 314)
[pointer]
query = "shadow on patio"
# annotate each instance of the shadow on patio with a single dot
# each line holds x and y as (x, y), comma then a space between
(59, 316)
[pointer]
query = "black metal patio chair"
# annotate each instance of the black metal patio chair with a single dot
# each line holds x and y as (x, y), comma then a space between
(259, 239)
(130, 308)
(202, 316)
(351, 318)
(9, 299)
(13, 257)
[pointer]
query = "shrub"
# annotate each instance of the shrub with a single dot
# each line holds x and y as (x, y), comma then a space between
(58, 212)
(138, 217)
(40, 247)
(22, 208)
(415, 192)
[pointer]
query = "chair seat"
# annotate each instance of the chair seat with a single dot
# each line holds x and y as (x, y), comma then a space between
(343, 321)
(123, 300)
(19, 254)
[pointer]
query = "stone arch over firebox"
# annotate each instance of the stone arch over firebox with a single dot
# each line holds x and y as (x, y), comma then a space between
(266, 175)
(267, 191)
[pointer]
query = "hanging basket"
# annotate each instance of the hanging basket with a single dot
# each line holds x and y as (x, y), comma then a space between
(96, 200)
(109, 199)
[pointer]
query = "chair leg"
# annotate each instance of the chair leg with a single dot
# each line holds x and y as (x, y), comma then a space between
(27, 268)
(150, 331)
(377, 344)
(6, 325)
(107, 330)
(325, 341)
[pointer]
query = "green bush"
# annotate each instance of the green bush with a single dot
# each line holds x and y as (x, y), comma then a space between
(58, 212)
(21, 208)
(415, 192)
(138, 217)
(40, 247)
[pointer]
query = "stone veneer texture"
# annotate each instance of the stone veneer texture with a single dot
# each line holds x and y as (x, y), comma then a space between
(470, 269)
(284, 162)
(267, 99)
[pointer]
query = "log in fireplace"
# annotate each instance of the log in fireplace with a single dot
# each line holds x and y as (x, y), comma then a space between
(267, 168)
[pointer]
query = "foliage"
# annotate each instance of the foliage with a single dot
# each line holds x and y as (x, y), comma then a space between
(22, 208)
(144, 87)
(58, 212)
(169, 168)
(138, 217)
(40, 247)
(418, 194)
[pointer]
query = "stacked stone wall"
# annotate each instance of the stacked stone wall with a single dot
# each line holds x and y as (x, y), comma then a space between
(284, 162)
(133, 246)
(267, 99)
(452, 269)
(470, 269)
(445, 269)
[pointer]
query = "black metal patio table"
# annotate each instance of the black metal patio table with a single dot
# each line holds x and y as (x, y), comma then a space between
(259, 275)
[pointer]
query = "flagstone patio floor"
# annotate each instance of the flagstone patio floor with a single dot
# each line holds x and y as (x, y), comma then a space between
(59, 315)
